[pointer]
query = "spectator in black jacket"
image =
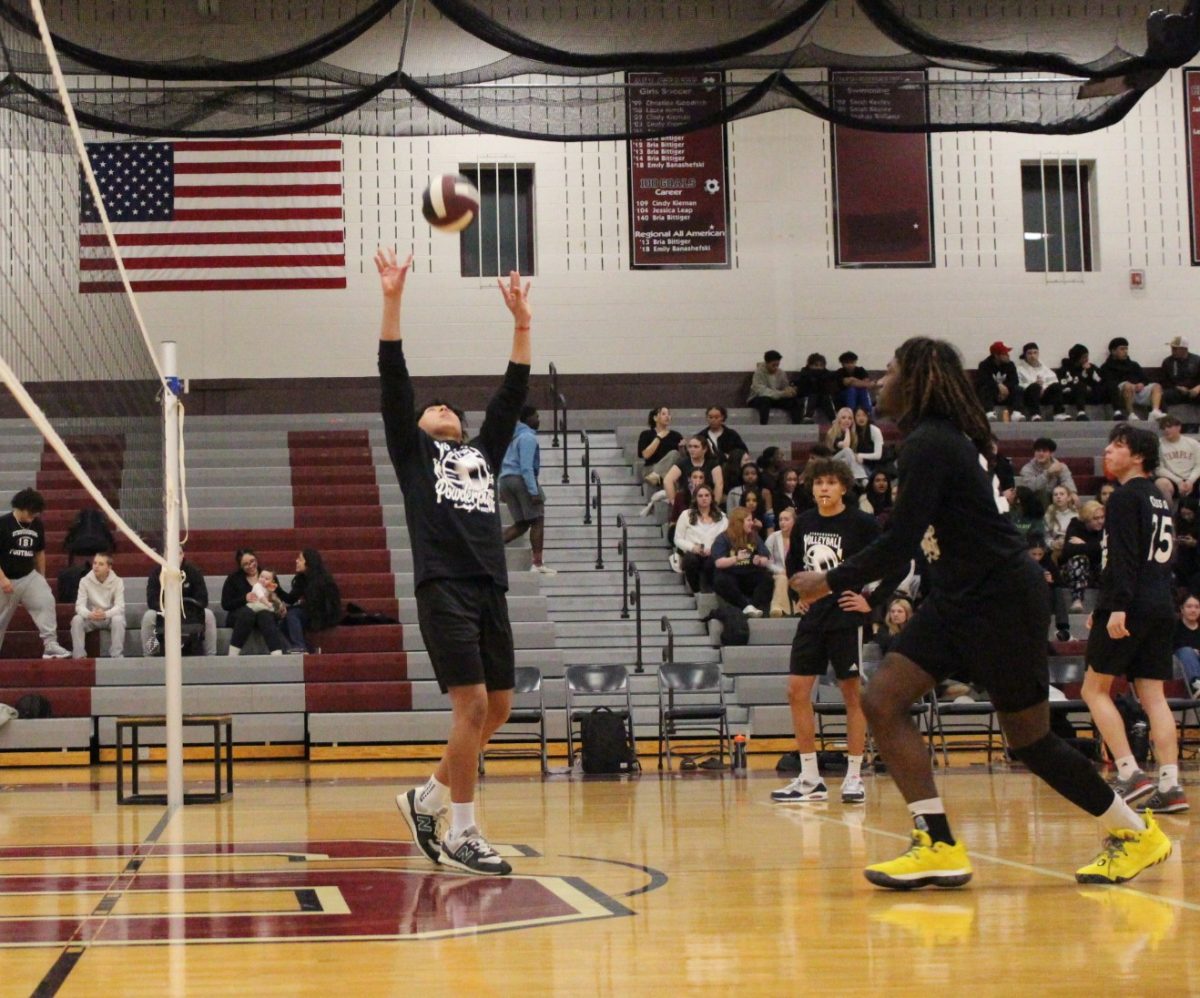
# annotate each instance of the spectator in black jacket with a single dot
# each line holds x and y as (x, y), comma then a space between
(816, 386)
(1083, 551)
(1060, 595)
(314, 602)
(1131, 382)
(1180, 374)
(236, 595)
(854, 384)
(1083, 384)
(195, 593)
(997, 384)
(719, 439)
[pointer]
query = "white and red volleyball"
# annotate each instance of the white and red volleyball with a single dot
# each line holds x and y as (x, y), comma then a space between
(450, 202)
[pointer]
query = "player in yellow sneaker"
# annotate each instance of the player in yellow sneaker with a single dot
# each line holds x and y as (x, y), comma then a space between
(1127, 853)
(925, 864)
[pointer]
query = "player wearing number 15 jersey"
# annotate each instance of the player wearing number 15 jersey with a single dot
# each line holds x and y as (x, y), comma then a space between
(1134, 619)
(987, 610)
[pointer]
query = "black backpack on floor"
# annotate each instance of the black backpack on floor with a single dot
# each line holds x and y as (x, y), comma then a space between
(605, 740)
(735, 627)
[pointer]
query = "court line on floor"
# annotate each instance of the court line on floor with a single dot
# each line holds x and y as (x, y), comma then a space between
(54, 978)
(998, 860)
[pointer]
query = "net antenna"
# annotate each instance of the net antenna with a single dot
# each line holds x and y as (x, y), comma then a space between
(169, 389)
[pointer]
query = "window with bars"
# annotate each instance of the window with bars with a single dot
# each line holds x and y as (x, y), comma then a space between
(1058, 204)
(501, 238)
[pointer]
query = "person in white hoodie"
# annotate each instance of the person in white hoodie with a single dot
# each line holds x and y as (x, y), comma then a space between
(1039, 385)
(100, 607)
(1179, 460)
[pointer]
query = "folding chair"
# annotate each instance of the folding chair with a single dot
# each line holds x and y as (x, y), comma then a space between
(607, 683)
(686, 703)
(528, 708)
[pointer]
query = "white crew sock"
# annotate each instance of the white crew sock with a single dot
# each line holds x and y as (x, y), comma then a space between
(462, 817)
(1168, 777)
(809, 772)
(854, 767)
(931, 805)
(1121, 815)
(432, 796)
(1126, 766)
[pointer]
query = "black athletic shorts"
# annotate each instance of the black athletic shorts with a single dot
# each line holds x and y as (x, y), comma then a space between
(999, 642)
(814, 651)
(464, 623)
(1148, 652)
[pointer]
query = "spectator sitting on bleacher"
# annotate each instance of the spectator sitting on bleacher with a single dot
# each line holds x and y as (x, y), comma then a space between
(1132, 383)
(1187, 642)
(1063, 508)
(854, 383)
(761, 521)
(1180, 374)
(1083, 551)
(1083, 384)
(23, 570)
(1044, 472)
(899, 613)
(868, 440)
(1060, 595)
(720, 441)
(778, 545)
(1039, 385)
(877, 500)
(1104, 493)
(195, 596)
(1025, 512)
(842, 439)
(1179, 460)
(1187, 545)
(786, 492)
(997, 384)
(1003, 476)
(314, 602)
(771, 466)
(695, 531)
(684, 498)
(751, 479)
(658, 446)
(816, 386)
(100, 606)
(695, 457)
(742, 567)
(239, 601)
(770, 388)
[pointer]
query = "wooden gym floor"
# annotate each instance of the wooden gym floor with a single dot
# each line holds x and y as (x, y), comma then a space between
(305, 883)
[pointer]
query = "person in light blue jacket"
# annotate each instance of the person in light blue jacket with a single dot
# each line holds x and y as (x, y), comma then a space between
(520, 490)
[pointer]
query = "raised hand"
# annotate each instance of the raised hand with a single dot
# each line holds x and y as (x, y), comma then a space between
(516, 298)
(392, 274)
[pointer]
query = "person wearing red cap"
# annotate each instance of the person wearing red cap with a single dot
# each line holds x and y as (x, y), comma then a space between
(997, 385)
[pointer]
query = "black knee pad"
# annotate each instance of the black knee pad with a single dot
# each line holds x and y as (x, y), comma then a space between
(1056, 763)
(1041, 756)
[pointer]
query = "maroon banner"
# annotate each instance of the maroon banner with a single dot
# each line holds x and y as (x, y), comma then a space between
(678, 210)
(1191, 103)
(882, 193)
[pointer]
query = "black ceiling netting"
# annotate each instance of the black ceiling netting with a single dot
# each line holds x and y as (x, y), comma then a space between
(556, 69)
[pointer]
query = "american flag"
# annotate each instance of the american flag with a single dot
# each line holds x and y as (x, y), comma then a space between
(215, 215)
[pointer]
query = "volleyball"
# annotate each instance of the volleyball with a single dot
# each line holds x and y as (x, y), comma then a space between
(450, 202)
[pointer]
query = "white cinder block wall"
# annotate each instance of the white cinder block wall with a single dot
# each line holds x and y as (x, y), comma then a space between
(595, 315)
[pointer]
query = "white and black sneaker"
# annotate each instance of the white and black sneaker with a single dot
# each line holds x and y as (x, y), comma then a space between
(422, 826)
(799, 792)
(471, 853)
(55, 650)
(853, 791)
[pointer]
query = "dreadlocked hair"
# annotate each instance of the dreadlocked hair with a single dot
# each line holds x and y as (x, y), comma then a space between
(932, 382)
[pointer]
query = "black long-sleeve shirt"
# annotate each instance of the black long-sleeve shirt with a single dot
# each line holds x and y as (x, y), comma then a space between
(194, 586)
(235, 590)
(947, 509)
(1135, 574)
(449, 488)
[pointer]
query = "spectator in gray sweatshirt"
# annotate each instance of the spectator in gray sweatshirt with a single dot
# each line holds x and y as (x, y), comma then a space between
(770, 388)
(1044, 472)
(100, 607)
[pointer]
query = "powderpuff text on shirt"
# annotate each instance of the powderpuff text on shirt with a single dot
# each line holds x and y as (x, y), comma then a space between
(463, 478)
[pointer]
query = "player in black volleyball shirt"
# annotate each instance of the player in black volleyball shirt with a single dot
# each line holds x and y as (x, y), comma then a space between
(987, 610)
(1133, 626)
(23, 571)
(458, 567)
(829, 631)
